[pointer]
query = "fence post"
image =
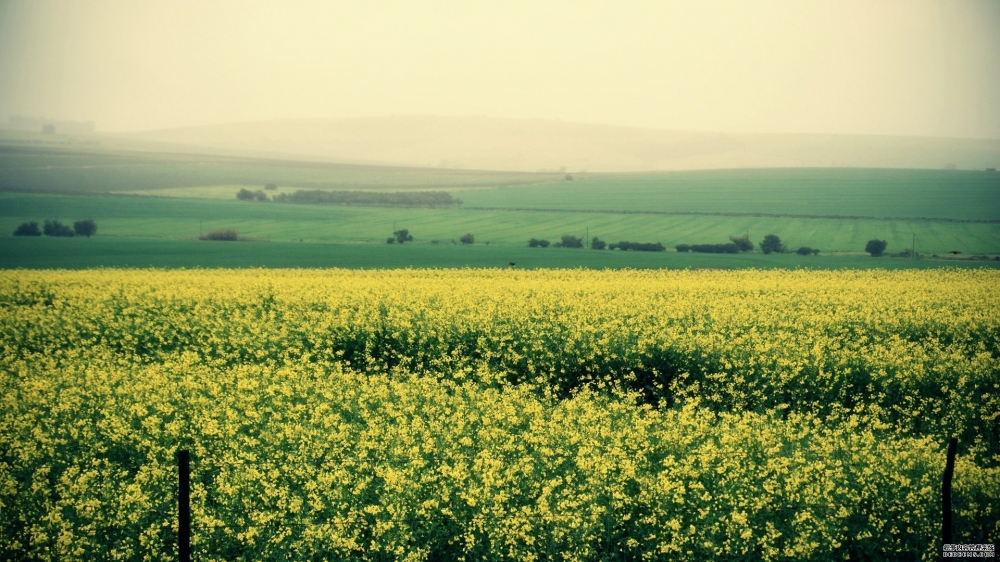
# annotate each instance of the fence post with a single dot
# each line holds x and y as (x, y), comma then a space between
(949, 469)
(183, 505)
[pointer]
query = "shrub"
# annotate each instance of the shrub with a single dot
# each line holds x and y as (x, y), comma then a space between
(772, 243)
(804, 251)
(715, 248)
(467, 238)
(638, 246)
(570, 241)
(536, 243)
(28, 229)
(225, 234)
(875, 247)
(247, 195)
(390, 240)
(743, 243)
(598, 244)
(683, 247)
(403, 235)
(56, 228)
(86, 227)
(368, 198)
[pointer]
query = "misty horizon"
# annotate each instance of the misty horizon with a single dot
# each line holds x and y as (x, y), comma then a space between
(920, 68)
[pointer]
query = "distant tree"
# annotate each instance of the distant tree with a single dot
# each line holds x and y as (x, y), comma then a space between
(683, 247)
(56, 228)
(247, 195)
(598, 244)
(366, 198)
(805, 251)
(875, 247)
(772, 243)
(536, 243)
(28, 229)
(270, 186)
(86, 227)
(570, 241)
(729, 248)
(403, 235)
(743, 243)
(467, 238)
(224, 234)
(637, 246)
(390, 240)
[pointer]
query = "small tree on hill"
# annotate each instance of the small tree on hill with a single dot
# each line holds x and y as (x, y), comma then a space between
(467, 238)
(536, 243)
(403, 235)
(743, 243)
(86, 227)
(247, 195)
(56, 228)
(875, 247)
(772, 243)
(598, 244)
(28, 229)
(570, 241)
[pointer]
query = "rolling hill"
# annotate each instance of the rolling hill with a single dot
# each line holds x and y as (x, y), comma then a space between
(534, 145)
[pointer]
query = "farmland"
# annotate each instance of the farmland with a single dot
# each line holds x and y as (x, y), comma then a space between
(498, 414)
(140, 198)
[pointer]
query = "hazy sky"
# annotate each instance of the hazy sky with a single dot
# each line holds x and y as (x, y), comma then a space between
(906, 67)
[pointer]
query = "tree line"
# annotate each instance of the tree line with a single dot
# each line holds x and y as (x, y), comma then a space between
(358, 198)
(85, 227)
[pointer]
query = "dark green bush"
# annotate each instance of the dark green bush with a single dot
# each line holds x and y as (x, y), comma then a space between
(28, 229)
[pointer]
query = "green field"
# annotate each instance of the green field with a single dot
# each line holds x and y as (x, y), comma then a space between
(138, 199)
(164, 218)
(878, 193)
(78, 253)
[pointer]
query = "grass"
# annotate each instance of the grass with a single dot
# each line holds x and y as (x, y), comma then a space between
(143, 217)
(829, 209)
(953, 194)
(79, 253)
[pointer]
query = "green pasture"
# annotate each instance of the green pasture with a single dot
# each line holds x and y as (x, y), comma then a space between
(79, 253)
(137, 198)
(178, 219)
(953, 194)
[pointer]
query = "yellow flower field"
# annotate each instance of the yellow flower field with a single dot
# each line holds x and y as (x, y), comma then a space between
(497, 414)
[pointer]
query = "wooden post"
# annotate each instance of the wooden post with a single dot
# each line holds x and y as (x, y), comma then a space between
(949, 470)
(183, 505)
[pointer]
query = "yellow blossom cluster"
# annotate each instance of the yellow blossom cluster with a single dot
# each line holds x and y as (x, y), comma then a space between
(497, 414)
